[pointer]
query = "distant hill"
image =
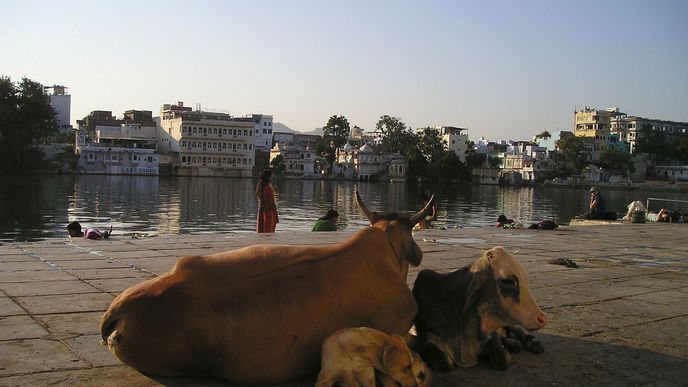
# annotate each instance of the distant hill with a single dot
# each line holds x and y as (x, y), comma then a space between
(317, 131)
(281, 128)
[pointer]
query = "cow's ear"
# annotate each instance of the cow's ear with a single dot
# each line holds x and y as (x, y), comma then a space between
(412, 253)
(474, 290)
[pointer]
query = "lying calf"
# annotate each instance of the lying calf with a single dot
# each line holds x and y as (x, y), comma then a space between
(462, 314)
(355, 356)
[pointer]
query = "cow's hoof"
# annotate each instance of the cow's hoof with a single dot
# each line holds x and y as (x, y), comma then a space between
(535, 346)
(512, 345)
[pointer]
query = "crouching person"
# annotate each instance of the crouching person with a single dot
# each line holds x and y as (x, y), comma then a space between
(357, 356)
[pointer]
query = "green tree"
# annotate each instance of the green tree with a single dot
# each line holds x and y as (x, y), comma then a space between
(278, 163)
(493, 162)
(617, 161)
(26, 120)
(680, 150)
(653, 142)
(396, 137)
(543, 135)
(337, 130)
(432, 146)
(571, 158)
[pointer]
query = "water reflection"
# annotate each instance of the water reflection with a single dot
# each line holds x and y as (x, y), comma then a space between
(32, 208)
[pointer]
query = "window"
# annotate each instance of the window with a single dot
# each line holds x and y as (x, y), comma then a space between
(245, 147)
(224, 145)
(265, 131)
(244, 161)
(215, 131)
(194, 130)
(224, 131)
(250, 146)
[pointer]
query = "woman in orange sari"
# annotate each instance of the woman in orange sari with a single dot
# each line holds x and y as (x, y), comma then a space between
(267, 209)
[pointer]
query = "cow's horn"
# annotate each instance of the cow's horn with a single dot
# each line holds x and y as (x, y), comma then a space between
(424, 212)
(372, 216)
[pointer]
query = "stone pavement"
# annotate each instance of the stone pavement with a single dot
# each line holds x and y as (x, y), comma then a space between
(621, 318)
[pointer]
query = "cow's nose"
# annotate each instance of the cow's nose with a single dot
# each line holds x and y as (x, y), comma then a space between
(541, 320)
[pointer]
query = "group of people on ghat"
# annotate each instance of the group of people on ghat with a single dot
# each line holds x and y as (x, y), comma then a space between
(598, 211)
(268, 217)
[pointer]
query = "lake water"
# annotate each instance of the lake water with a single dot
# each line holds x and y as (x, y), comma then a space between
(37, 207)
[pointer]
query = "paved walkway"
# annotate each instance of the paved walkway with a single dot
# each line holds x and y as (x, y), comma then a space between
(621, 318)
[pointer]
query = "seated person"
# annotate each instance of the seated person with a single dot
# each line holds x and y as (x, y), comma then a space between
(74, 230)
(327, 222)
(502, 221)
(598, 207)
(662, 216)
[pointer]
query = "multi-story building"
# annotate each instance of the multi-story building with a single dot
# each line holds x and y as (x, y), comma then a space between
(298, 160)
(628, 129)
(62, 103)
(529, 160)
(204, 143)
(595, 125)
(87, 125)
(128, 149)
(456, 140)
(107, 145)
(263, 131)
(364, 163)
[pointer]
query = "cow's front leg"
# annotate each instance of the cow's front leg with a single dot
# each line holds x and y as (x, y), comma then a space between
(527, 340)
(499, 356)
(433, 356)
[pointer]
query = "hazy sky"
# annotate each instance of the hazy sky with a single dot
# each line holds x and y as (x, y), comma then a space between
(503, 69)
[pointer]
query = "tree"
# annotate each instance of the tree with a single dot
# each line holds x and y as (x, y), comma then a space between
(543, 135)
(396, 137)
(432, 146)
(617, 161)
(680, 151)
(26, 120)
(278, 163)
(337, 130)
(571, 158)
(653, 142)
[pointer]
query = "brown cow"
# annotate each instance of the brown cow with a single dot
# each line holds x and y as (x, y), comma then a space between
(259, 315)
(462, 314)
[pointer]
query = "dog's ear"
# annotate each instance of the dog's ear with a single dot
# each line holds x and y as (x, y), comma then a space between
(396, 354)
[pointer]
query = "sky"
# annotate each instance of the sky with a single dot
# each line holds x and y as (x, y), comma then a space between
(502, 69)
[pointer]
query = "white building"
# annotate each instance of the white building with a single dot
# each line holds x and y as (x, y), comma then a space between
(298, 161)
(62, 103)
(203, 143)
(263, 131)
(128, 149)
(365, 163)
(455, 139)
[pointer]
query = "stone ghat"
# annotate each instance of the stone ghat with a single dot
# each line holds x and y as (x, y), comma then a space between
(620, 318)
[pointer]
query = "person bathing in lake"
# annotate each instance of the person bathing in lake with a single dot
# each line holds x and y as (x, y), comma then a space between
(267, 209)
(74, 230)
(327, 222)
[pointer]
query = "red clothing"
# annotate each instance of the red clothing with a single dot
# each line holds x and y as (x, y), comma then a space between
(267, 211)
